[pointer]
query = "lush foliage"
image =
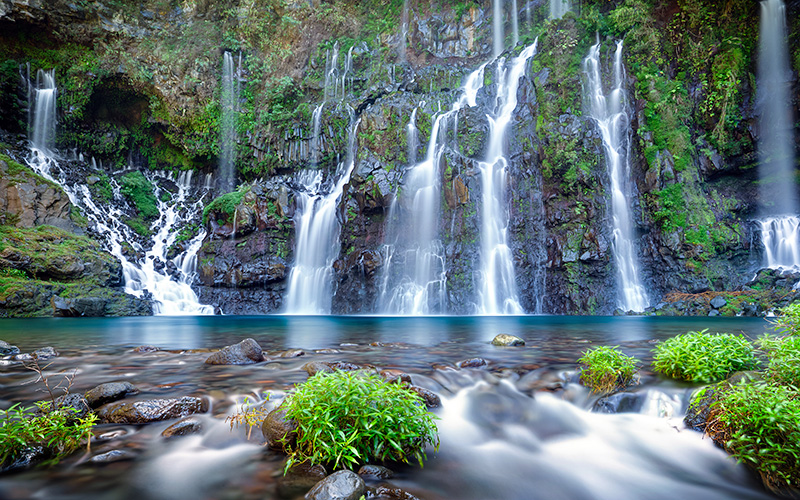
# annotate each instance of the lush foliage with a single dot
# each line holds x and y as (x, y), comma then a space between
(788, 320)
(225, 204)
(704, 357)
(784, 359)
(58, 432)
(761, 426)
(607, 368)
(140, 192)
(346, 418)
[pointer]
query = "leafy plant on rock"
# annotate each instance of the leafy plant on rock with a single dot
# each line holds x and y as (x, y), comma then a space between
(346, 418)
(704, 357)
(607, 368)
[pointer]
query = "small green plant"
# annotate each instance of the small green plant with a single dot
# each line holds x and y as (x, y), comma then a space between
(783, 354)
(346, 418)
(607, 368)
(761, 427)
(788, 320)
(704, 357)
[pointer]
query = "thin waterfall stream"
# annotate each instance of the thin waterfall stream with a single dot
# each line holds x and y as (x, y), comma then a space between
(610, 113)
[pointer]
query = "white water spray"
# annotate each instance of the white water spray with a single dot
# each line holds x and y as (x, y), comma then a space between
(231, 90)
(610, 114)
(558, 8)
(498, 32)
(498, 293)
(43, 133)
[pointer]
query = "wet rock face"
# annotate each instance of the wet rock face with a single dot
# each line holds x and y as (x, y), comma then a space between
(151, 410)
(185, 427)
(245, 352)
(276, 427)
(7, 349)
(342, 485)
(107, 393)
(504, 339)
(34, 200)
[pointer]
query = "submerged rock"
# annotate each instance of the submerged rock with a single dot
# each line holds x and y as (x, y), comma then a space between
(342, 485)
(112, 456)
(507, 340)
(623, 402)
(245, 352)
(151, 410)
(384, 491)
(473, 363)
(276, 426)
(182, 428)
(108, 393)
(375, 471)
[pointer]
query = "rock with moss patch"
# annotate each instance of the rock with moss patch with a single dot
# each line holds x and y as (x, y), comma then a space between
(507, 340)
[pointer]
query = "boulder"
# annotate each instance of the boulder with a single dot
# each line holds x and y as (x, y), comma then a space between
(718, 302)
(341, 485)
(183, 427)
(108, 393)
(429, 397)
(245, 352)
(112, 456)
(507, 340)
(299, 479)
(276, 426)
(75, 402)
(384, 491)
(151, 410)
(81, 306)
(377, 471)
(472, 363)
(7, 349)
(43, 353)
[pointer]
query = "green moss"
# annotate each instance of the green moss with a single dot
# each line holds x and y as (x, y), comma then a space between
(225, 204)
(141, 192)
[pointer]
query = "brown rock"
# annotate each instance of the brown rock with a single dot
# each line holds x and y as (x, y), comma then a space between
(429, 397)
(245, 352)
(151, 410)
(276, 428)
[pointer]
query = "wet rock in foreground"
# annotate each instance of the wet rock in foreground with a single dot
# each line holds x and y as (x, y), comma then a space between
(151, 410)
(342, 485)
(276, 426)
(245, 352)
(184, 427)
(108, 393)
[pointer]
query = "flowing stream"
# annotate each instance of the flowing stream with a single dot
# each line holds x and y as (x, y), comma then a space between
(777, 185)
(610, 113)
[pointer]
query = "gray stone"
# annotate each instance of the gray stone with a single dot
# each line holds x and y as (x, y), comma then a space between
(151, 410)
(43, 353)
(78, 307)
(245, 352)
(74, 403)
(507, 340)
(183, 428)
(375, 471)
(429, 397)
(112, 456)
(341, 485)
(718, 302)
(713, 313)
(110, 392)
(623, 402)
(7, 349)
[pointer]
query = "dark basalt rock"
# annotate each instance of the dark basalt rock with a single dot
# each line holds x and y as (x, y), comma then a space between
(29, 457)
(429, 397)
(473, 363)
(299, 479)
(182, 428)
(43, 353)
(276, 427)
(151, 410)
(245, 352)
(391, 493)
(342, 485)
(623, 402)
(377, 471)
(81, 306)
(7, 349)
(112, 456)
(110, 392)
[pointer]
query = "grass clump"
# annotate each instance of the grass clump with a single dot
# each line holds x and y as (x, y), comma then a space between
(140, 192)
(783, 355)
(346, 418)
(57, 432)
(788, 320)
(607, 368)
(704, 357)
(225, 204)
(760, 426)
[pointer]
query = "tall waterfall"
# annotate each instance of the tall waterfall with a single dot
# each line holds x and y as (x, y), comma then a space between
(171, 296)
(43, 128)
(777, 186)
(498, 293)
(401, 45)
(558, 8)
(498, 31)
(610, 113)
(317, 235)
(231, 90)
(514, 22)
(414, 276)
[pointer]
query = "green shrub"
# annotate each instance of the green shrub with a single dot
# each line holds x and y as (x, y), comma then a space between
(607, 368)
(784, 359)
(788, 320)
(140, 192)
(58, 432)
(704, 357)
(761, 427)
(346, 418)
(226, 203)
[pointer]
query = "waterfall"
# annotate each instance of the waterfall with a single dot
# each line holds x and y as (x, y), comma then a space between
(331, 73)
(498, 32)
(414, 275)
(43, 128)
(777, 174)
(317, 235)
(401, 46)
(171, 296)
(515, 22)
(610, 114)
(498, 294)
(412, 138)
(558, 8)
(231, 89)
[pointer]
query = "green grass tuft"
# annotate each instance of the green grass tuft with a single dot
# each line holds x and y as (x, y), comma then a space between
(704, 357)
(606, 369)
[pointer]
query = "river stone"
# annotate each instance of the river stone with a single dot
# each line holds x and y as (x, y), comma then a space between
(28, 458)
(245, 352)
(43, 353)
(292, 353)
(377, 471)
(718, 302)
(74, 401)
(429, 397)
(623, 402)
(7, 349)
(299, 479)
(184, 427)
(151, 410)
(107, 393)
(276, 426)
(472, 363)
(146, 348)
(507, 340)
(391, 493)
(112, 456)
(341, 485)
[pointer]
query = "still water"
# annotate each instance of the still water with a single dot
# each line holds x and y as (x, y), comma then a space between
(519, 428)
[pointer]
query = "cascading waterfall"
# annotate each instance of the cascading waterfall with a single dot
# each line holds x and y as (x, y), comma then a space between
(777, 186)
(317, 235)
(498, 33)
(401, 45)
(558, 8)
(170, 296)
(414, 279)
(498, 292)
(610, 114)
(231, 90)
(514, 22)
